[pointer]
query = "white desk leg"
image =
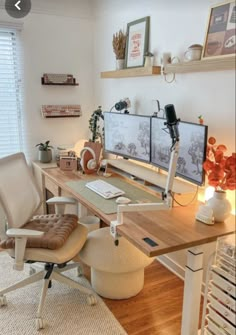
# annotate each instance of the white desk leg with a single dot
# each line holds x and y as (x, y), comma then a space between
(192, 291)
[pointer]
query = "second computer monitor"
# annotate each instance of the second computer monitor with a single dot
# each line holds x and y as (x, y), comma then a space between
(128, 135)
(192, 149)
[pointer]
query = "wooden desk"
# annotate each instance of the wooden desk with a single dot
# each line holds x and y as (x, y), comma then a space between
(172, 230)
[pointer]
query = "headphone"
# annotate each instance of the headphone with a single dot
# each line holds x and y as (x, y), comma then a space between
(91, 164)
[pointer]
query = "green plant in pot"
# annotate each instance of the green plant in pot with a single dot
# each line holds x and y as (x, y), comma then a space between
(45, 152)
(96, 129)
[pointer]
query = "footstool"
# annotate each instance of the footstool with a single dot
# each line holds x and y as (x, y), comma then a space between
(117, 272)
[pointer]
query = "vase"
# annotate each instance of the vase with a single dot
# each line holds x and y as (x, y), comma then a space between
(45, 156)
(120, 63)
(220, 205)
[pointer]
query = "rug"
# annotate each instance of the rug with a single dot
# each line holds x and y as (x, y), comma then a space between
(65, 309)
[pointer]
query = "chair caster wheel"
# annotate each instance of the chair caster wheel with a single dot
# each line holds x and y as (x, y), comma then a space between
(80, 271)
(40, 324)
(91, 300)
(3, 301)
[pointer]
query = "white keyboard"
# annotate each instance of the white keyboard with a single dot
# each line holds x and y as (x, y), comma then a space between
(104, 189)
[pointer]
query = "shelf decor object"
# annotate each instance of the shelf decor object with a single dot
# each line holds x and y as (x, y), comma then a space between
(58, 79)
(137, 42)
(52, 111)
(119, 44)
(220, 37)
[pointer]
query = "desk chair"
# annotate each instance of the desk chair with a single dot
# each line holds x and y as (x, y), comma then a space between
(51, 239)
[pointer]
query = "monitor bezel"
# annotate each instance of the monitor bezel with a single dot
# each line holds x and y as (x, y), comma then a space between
(124, 155)
(178, 174)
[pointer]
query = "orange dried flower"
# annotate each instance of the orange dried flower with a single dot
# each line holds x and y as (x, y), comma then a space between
(220, 169)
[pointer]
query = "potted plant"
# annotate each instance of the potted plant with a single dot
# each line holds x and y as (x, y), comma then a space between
(45, 152)
(221, 172)
(96, 129)
(119, 43)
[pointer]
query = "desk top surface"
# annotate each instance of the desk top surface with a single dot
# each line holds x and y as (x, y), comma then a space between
(172, 230)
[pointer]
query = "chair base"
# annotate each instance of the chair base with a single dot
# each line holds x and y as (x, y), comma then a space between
(48, 275)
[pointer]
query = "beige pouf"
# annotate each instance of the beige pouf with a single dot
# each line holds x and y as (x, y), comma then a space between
(91, 222)
(116, 272)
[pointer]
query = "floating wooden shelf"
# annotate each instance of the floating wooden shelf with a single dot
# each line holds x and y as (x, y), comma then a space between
(59, 84)
(132, 72)
(52, 111)
(218, 64)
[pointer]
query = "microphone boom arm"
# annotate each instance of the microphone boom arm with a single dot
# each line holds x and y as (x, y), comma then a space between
(166, 196)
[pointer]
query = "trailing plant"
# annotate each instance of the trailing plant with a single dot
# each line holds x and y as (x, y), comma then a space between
(118, 43)
(96, 129)
(44, 146)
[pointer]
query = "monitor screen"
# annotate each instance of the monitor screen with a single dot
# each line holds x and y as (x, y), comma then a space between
(128, 135)
(192, 149)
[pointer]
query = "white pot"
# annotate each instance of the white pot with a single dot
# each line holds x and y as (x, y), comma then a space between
(220, 205)
(120, 63)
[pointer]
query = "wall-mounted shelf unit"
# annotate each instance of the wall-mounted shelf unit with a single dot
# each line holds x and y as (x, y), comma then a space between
(132, 72)
(218, 64)
(58, 79)
(53, 111)
(60, 84)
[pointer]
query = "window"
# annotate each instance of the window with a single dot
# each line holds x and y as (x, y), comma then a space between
(11, 139)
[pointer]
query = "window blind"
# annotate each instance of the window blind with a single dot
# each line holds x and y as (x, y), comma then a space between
(11, 139)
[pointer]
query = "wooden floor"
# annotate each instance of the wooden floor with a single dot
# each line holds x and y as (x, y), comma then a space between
(157, 309)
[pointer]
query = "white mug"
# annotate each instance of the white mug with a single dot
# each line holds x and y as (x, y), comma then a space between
(193, 53)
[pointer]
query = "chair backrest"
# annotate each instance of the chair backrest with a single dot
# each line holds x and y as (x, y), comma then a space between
(19, 194)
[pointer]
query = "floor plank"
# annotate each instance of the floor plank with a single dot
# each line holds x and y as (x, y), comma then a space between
(157, 309)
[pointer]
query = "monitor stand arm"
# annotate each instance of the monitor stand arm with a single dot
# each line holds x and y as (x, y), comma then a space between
(166, 196)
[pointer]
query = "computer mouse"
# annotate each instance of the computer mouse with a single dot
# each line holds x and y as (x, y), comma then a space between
(123, 200)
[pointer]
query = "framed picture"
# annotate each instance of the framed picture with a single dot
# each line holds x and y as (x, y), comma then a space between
(137, 42)
(220, 37)
(192, 149)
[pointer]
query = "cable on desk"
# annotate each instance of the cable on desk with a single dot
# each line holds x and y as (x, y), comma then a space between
(184, 205)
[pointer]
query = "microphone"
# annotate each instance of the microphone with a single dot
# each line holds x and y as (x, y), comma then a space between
(172, 122)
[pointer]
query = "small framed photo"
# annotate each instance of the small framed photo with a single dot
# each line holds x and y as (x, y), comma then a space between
(137, 42)
(220, 39)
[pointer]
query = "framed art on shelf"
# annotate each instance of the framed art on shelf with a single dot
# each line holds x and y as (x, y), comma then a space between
(220, 37)
(137, 42)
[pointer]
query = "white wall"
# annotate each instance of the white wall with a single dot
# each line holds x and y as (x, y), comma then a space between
(174, 25)
(56, 39)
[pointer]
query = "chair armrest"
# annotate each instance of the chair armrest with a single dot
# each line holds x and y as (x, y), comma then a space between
(20, 236)
(17, 232)
(60, 203)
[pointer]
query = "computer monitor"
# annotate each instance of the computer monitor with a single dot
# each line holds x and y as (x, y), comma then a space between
(192, 149)
(128, 135)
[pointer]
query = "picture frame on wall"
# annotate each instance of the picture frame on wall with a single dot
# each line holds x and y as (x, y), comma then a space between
(137, 42)
(220, 39)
